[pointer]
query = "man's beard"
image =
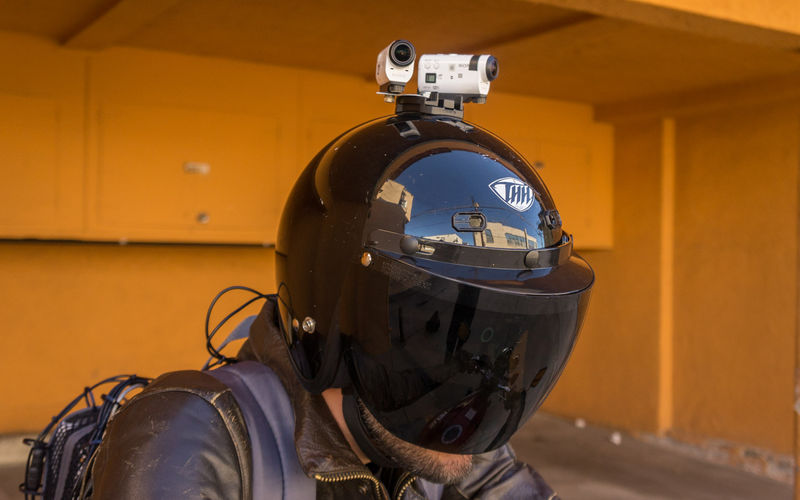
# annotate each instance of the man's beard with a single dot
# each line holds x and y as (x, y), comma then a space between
(435, 466)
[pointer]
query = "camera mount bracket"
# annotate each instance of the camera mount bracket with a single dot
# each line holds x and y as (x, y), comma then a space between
(435, 104)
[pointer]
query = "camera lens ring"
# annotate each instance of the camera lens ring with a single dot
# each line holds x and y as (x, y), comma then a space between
(402, 53)
(492, 68)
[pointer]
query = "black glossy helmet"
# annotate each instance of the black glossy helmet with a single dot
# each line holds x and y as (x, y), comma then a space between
(422, 257)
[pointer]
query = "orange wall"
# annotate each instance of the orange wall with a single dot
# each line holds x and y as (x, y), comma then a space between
(736, 275)
(730, 354)
(612, 377)
(76, 313)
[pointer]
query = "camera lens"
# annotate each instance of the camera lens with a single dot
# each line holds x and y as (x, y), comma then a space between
(402, 53)
(491, 68)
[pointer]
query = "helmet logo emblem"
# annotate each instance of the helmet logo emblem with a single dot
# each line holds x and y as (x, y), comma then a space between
(514, 193)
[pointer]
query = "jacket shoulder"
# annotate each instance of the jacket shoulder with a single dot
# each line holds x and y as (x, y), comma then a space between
(184, 436)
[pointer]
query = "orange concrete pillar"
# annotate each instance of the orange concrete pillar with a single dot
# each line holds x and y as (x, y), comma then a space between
(666, 281)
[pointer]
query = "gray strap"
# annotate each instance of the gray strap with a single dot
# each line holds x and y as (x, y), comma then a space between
(242, 331)
(269, 418)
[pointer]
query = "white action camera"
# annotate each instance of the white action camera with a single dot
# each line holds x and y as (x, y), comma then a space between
(395, 66)
(467, 75)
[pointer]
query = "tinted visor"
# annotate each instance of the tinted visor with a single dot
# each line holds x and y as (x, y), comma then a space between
(455, 365)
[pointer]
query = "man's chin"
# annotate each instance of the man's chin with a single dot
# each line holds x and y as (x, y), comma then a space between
(434, 466)
(444, 468)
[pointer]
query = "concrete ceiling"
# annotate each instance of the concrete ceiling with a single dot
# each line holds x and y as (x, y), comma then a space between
(543, 50)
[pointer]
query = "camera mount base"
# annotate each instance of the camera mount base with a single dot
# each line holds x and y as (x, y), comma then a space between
(435, 104)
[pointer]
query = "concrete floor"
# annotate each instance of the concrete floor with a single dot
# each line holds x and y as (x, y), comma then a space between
(582, 464)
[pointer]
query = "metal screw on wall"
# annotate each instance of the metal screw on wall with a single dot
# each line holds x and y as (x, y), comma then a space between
(203, 218)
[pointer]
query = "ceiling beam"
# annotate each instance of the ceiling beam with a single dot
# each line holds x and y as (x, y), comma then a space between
(525, 34)
(784, 89)
(773, 24)
(117, 23)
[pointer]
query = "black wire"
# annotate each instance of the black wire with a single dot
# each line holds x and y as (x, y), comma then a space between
(108, 409)
(225, 359)
(287, 305)
(86, 394)
(220, 358)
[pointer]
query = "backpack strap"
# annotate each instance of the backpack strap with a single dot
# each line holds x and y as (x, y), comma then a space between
(269, 419)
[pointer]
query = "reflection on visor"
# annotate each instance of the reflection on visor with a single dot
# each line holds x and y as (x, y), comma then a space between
(462, 367)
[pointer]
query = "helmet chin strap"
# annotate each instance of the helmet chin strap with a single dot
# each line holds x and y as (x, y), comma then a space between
(358, 428)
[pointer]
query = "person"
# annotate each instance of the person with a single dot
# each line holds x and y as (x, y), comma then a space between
(427, 301)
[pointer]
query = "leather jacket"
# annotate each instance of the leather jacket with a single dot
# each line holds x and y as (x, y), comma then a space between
(184, 437)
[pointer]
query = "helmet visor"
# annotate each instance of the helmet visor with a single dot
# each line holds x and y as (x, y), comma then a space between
(458, 366)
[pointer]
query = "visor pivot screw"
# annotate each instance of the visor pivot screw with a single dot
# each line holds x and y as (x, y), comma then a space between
(532, 259)
(366, 259)
(309, 325)
(409, 245)
(295, 324)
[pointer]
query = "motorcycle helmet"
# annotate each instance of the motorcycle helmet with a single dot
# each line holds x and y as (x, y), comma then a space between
(421, 264)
